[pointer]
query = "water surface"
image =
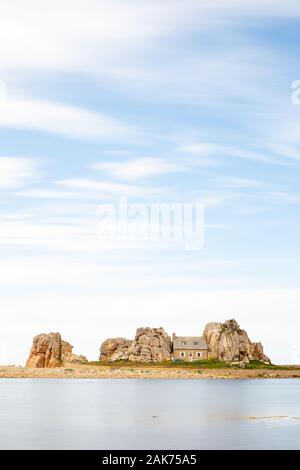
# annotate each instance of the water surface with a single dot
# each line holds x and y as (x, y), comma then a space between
(149, 414)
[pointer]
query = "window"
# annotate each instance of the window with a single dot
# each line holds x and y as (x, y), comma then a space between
(199, 354)
(182, 354)
(183, 343)
(191, 354)
(196, 343)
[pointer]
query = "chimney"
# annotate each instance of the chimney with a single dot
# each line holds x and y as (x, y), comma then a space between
(173, 339)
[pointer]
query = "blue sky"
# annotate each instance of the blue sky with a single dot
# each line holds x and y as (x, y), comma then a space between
(162, 102)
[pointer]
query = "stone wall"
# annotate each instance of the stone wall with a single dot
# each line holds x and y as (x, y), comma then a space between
(177, 354)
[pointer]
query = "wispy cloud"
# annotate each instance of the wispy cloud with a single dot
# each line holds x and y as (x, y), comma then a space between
(139, 168)
(106, 29)
(16, 171)
(47, 193)
(213, 198)
(284, 197)
(238, 182)
(55, 118)
(137, 53)
(223, 152)
(106, 187)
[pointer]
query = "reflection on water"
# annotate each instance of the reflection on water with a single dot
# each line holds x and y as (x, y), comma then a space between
(149, 414)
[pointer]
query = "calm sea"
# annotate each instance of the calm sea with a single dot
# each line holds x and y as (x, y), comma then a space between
(149, 414)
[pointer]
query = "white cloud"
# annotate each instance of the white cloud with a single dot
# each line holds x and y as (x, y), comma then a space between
(16, 171)
(106, 187)
(225, 152)
(65, 35)
(41, 193)
(213, 198)
(117, 41)
(69, 121)
(237, 182)
(287, 149)
(284, 197)
(146, 167)
(132, 46)
(139, 168)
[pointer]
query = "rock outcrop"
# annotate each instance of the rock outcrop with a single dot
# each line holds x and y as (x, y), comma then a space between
(114, 348)
(228, 342)
(149, 345)
(257, 353)
(49, 350)
(70, 358)
(45, 351)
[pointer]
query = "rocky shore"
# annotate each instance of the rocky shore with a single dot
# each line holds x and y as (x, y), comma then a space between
(144, 372)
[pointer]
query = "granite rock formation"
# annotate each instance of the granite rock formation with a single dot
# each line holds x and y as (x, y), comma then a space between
(114, 348)
(257, 353)
(49, 350)
(228, 342)
(149, 345)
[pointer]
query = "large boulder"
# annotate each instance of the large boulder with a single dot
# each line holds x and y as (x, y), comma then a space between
(257, 353)
(45, 351)
(49, 350)
(228, 342)
(149, 345)
(113, 349)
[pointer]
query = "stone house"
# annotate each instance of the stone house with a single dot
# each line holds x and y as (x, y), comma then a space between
(189, 348)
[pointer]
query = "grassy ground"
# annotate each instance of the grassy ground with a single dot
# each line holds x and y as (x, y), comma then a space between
(202, 364)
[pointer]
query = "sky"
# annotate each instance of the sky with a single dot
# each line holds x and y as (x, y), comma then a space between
(171, 102)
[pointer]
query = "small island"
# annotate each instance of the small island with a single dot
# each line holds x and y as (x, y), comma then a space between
(224, 351)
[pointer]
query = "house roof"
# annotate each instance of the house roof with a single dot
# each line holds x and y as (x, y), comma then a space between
(189, 342)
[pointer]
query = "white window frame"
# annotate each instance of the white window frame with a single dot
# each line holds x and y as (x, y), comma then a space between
(199, 354)
(182, 354)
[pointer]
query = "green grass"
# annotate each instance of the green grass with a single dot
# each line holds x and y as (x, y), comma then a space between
(261, 365)
(201, 364)
(211, 363)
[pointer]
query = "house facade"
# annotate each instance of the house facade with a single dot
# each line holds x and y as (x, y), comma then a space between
(189, 348)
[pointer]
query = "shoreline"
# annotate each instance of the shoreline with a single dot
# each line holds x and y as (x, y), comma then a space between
(143, 372)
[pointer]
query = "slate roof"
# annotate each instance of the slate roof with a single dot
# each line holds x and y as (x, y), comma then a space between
(189, 342)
